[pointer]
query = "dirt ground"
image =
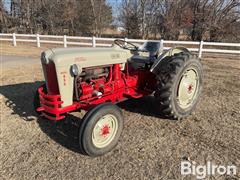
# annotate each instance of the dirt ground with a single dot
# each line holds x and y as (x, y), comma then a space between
(150, 147)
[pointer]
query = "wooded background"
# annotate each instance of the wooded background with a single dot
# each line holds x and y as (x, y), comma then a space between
(210, 20)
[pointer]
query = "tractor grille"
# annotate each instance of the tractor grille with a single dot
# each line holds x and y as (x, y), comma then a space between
(51, 78)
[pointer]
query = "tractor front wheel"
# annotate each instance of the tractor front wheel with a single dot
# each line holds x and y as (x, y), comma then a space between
(100, 129)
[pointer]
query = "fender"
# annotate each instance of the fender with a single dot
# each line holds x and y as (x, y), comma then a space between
(158, 63)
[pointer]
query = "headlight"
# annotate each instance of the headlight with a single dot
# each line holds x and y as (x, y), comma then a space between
(74, 69)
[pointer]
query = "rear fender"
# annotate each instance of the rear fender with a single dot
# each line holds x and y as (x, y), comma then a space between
(158, 63)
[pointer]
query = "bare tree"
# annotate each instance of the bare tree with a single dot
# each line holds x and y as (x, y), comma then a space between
(130, 18)
(211, 16)
(101, 14)
(197, 19)
(59, 17)
(214, 20)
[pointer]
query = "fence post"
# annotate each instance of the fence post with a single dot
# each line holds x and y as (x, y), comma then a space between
(38, 40)
(93, 41)
(200, 49)
(14, 40)
(161, 46)
(65, 41)
(125, 39)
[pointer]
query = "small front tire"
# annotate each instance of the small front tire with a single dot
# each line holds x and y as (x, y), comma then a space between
(100, 129)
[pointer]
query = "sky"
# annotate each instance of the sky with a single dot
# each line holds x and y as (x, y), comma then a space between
(7, 4)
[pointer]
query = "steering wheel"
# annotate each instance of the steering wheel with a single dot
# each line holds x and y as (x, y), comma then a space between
(125, 45)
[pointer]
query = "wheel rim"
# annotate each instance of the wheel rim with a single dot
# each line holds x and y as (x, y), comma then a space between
(188, 88)
(104, 131)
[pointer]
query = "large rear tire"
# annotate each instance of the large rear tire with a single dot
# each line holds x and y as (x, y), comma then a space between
(100, 129)
(179, 85)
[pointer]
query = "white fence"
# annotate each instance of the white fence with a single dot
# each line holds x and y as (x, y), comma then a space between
(107, 42)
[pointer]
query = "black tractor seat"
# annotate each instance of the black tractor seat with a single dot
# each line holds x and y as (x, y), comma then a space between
(152, 47)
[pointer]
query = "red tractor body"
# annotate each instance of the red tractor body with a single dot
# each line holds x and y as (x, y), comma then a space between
(118, 86)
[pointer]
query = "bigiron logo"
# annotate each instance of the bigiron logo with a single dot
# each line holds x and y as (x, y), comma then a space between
(209, 169)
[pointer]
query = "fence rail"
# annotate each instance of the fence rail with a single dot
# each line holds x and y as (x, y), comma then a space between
(104, 42)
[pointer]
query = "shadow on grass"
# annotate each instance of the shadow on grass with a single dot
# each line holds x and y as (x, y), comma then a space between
(20, 100)
(147, 106)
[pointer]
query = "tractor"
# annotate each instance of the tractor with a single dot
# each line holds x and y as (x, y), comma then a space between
(96, 79)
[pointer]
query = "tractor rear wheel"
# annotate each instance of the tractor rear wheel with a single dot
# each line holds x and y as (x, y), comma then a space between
(100, 129)
(180, 84)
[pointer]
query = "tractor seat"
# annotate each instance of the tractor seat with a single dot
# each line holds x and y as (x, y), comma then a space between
(152, 47)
